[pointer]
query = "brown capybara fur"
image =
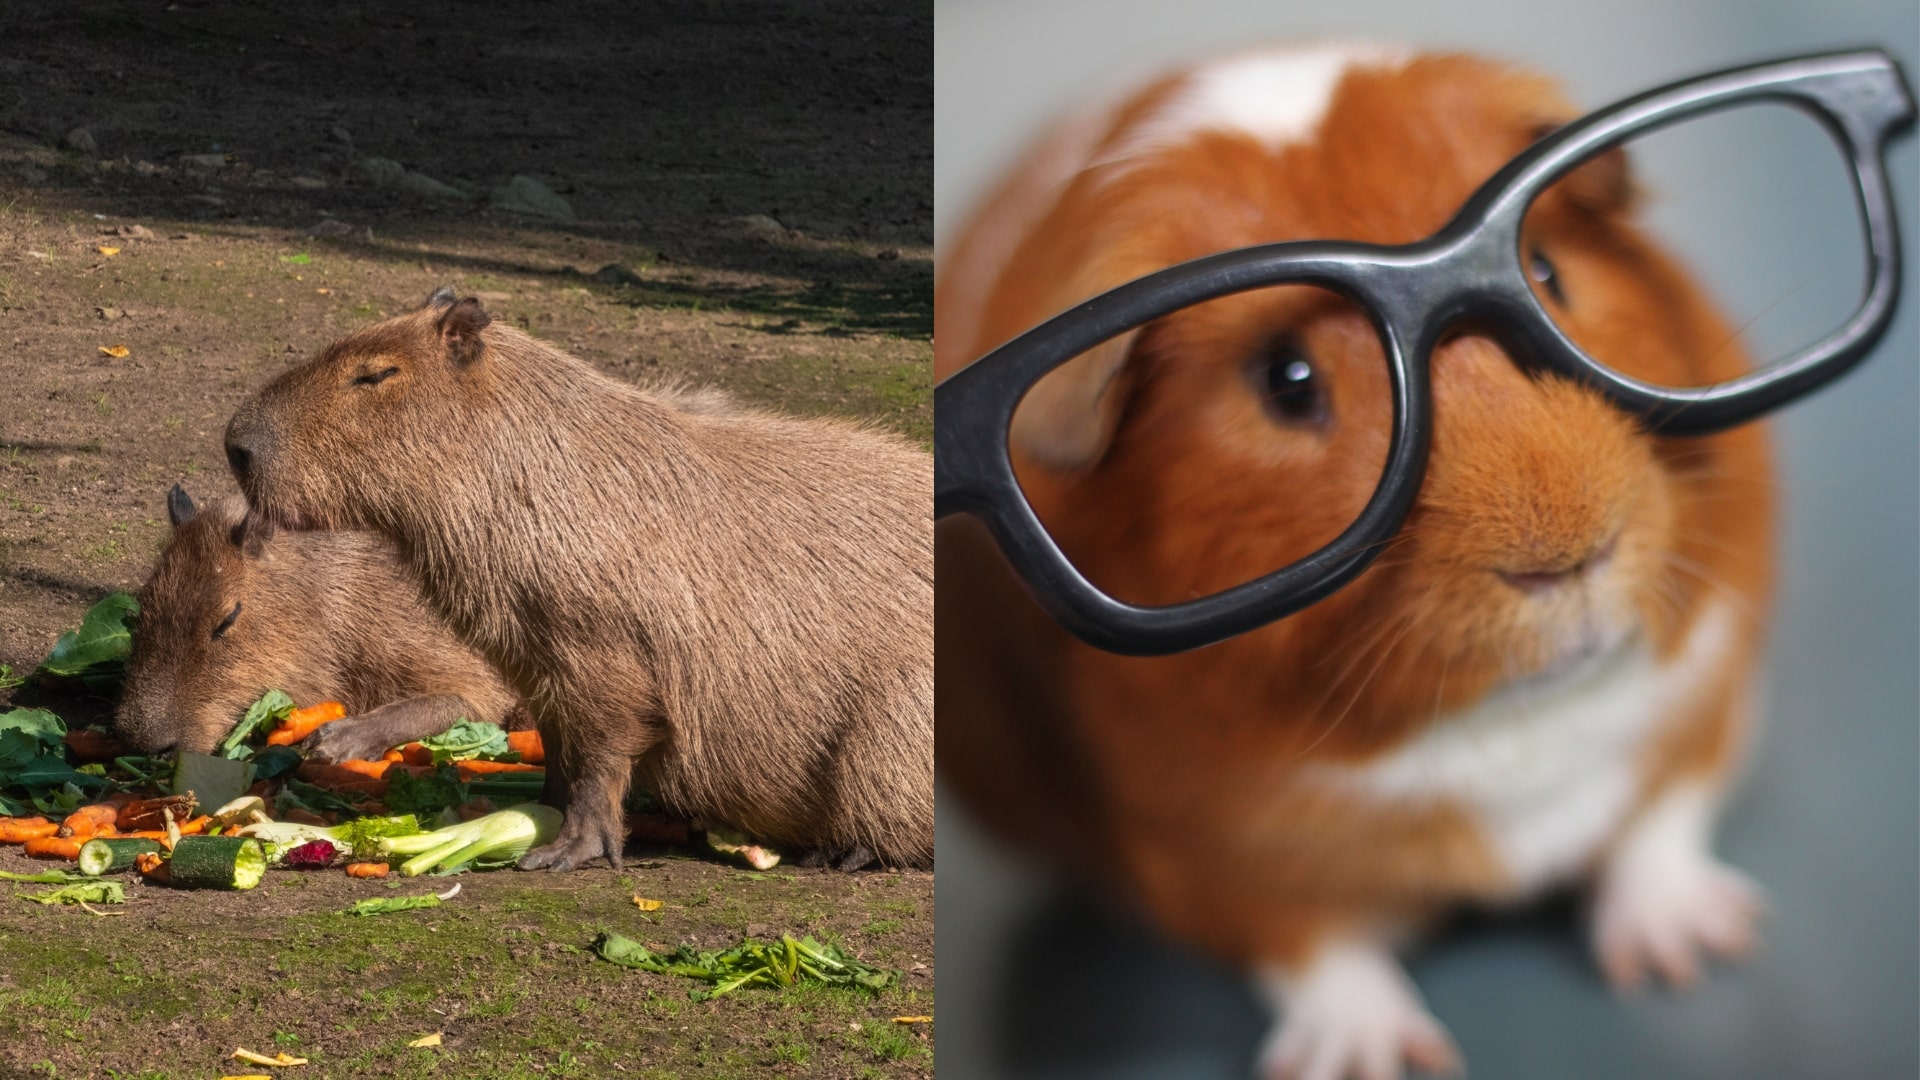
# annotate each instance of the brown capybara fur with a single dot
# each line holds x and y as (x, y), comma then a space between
(232, 611)
(734, 604)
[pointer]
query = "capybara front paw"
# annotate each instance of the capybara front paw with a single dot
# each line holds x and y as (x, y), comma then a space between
(575, 847)
(346, 740)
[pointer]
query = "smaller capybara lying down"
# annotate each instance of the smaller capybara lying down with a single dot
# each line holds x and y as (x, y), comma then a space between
(231, 612)
(736, 603)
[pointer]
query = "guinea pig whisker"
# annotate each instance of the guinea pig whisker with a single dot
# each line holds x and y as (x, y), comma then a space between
(1409, 619)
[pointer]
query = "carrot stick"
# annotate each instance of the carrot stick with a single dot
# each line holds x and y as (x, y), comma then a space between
(527, 745)
(146, 834)
(470, 769)
(416, 754)
(367, 869)
(19, 830)
(393, 755)
(196, 826)
(301, 723)
(88, 820)
(55, 847)
(92, 744)
(345, 772)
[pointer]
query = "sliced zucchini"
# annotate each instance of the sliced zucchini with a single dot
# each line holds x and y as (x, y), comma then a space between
(217, 862)
(110, 856)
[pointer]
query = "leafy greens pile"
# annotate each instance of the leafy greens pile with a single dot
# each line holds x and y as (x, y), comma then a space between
(749, 963)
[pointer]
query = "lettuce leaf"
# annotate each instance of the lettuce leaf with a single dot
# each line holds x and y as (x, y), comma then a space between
(97, 651)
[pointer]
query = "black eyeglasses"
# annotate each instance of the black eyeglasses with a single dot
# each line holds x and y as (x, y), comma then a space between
(1474, 270)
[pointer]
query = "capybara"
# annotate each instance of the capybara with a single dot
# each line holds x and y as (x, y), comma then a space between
(1546, 678)
(233, 610)
(738, 605)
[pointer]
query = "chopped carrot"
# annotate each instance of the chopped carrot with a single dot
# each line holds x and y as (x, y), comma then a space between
(146, 834)
(416, 754)
(19, 830)
(92, 744)
(152, 813)
(333, 775)
(301, 723)
(393, 755)
(196, 826)
(153, 866)
(367, 869)
(88, 820)
(55, 847)
(470, 769)
(527, 745)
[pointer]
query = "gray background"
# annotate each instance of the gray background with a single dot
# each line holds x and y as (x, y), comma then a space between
(1036, 983)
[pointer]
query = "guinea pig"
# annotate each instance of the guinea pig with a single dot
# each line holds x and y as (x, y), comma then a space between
(1544, 681)
(736, 604)
(232, 610)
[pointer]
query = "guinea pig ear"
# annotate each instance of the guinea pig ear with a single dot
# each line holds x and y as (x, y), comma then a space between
(1603, 185)
(180, 508)
(460, 326)
(442, 297)
(1067, 420)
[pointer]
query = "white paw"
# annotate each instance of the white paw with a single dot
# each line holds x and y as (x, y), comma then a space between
(1352, 1015)
(1665, 905)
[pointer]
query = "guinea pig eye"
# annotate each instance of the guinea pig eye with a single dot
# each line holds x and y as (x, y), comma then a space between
(1289, 386)
(1543, 272)
(375, 378)
(227, 623)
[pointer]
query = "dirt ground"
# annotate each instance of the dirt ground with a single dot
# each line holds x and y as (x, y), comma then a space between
(751, 192)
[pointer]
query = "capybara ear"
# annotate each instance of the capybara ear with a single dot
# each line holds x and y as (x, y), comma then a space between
(442, 297)
(180, 508)
(460, 327)
(251, 534)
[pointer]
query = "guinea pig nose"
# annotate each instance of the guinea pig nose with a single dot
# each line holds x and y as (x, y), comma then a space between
(1541, 580)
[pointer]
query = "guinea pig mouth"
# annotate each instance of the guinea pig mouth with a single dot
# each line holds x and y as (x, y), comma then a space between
(1594, 647)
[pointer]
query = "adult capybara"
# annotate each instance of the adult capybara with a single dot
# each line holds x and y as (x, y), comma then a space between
(233, 610)
(737, 604)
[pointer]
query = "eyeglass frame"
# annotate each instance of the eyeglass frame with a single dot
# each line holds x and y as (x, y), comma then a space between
(1470, 271)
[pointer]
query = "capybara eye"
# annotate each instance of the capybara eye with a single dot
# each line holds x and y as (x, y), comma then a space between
(375, 378)
(227, 623)
(1289, 385)
(1543, 272)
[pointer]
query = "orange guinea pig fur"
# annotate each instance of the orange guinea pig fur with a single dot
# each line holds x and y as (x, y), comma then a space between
(1544, 680)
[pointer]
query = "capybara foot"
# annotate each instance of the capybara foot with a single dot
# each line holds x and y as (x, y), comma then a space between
(859, 858)
(580, 842)
(348, 740)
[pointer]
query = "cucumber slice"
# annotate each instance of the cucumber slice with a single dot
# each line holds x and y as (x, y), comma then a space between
(217, 862)
(110, 856)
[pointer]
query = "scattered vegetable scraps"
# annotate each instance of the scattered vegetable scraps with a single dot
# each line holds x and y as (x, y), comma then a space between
(427, 1040)
(85, 892)
(270, 709)
(387, 905)
(749, 963)
(97, 651)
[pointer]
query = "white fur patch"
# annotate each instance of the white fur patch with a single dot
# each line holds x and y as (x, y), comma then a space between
(1549, 770)
(1276, 96)
(1351, 1012)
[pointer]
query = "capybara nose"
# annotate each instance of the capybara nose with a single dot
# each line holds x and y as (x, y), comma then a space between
(239, 459)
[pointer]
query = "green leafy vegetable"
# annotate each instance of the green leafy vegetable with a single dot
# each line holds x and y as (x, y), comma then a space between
(48, 877)
(410, 794)
(496, 839)
(8, 680)
(300, 795)
(33, 764)
(469, 739)
(384, 905)
(275, 761)
(97, 651)
(272, 708)
(363, 835)
(749, 963)
(85, 892)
